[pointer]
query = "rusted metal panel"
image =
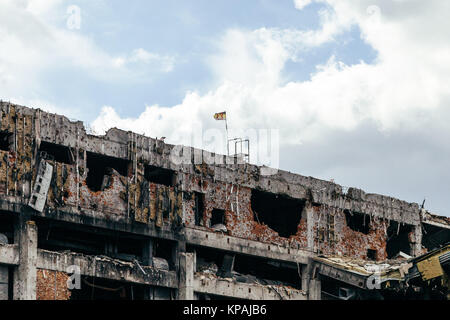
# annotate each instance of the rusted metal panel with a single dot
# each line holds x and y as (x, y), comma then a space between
(430, 268)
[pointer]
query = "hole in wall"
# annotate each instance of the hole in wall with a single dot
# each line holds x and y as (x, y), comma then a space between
(434, 237)
(159, 175)
(398, 239)
(100, 166)
(280, 212)
(267, 271)
(105, 289)
(371, 254)
(217, 216)
(164, 249)
(199, 208)
(6, 140)
(358, 222)
(57, 152)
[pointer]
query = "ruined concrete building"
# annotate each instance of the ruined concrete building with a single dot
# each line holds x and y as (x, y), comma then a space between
(118, 211)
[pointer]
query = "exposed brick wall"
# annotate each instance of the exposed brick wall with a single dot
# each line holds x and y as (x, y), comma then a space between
(52, 285)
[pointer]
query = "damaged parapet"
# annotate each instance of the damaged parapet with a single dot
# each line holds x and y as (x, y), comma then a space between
(142, 201)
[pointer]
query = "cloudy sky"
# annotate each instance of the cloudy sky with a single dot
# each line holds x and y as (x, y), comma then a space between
(357, 90)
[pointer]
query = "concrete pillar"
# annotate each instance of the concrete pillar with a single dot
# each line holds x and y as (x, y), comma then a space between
(227, 266)
(4, 274)
(26, 237)
(305, 277)
(416, 241)
(311, 281)
(147, 252)
(315, 289)
(147, 259)
(310, 227)
(186, 279)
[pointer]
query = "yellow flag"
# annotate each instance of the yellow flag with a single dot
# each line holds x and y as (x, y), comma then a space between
(220, 116)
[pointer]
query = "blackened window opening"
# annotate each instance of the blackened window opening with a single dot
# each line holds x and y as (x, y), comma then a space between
(371, 254)
(55, 238)
(280, 212)
(357, 221)
(159, 175)
(6, 140)
(434, 237)
(398, 239)
(57, 152)
(217, 217)
(207, 259)
(106, 289)
(266, 272)
(164, 249)
(199, 208)
(99, 166)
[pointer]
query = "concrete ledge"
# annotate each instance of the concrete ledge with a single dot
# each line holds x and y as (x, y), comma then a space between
(9, 254)
(221, 241)
(436, 224)
(228, 288)
(351, 277)
(107, 268)
(88, 218)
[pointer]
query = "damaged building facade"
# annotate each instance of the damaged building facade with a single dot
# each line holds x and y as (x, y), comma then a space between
(136, 218)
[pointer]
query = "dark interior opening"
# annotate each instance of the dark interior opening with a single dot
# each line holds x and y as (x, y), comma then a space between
(397, 239)
(164, 249)
(7, 225)
(11, 282)
(434, 237)
(57, 152)
(371, 254)
(6, 140)
(99, 166)
(159, 175)
(280, 212)
(357, 221)
(199, 208)
(207, 258)
(105, 289)
(248, 269)
(217, 217)
(88, 240)
(333, 289)
(267, 272)
(208, 296)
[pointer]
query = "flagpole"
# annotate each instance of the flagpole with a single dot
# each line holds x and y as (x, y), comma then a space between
(226, 128)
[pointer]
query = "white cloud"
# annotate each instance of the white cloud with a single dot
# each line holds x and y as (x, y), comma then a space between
(405, 87)
(300, 4)
(164, 63)
(32, 44)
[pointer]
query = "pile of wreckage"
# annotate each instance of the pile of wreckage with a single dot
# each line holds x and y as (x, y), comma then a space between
(404, 277)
